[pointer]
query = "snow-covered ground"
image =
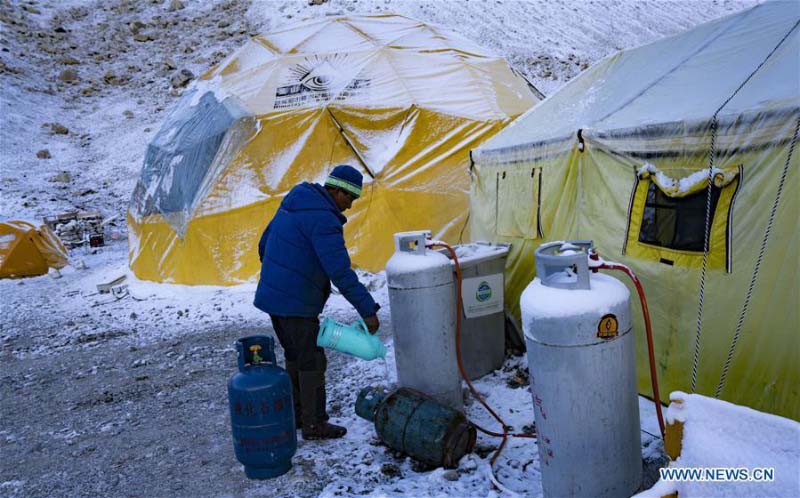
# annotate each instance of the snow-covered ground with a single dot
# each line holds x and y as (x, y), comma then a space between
(103, 71)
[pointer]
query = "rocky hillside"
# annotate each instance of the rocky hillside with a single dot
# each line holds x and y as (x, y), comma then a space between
(85, 85)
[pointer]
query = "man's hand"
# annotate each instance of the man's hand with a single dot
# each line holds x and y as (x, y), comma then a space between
(372, 323)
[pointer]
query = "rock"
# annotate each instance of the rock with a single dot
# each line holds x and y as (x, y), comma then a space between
(136, 26)
(175, 5)
(78, 12)
(68, 75)
(223, 23)
(450, 475)
(47, 48)
(170, 64)
(128, 114)
(143, 37)
(89, 90)
(468, 464)
(69, 61)
(43, 154)
(110, 78)
(58, 129)
(181, 78)
(391, 470)
(31, 9)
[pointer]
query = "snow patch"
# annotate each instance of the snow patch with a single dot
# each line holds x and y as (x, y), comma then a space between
(538, 301)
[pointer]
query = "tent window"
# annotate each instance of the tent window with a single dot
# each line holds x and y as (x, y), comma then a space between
(667, 217)
(676, 222)
(518, 201)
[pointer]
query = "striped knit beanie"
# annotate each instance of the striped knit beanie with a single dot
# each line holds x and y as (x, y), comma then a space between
(346, 178)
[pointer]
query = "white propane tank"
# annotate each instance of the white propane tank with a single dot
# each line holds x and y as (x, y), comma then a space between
(422, 298)
(580, 343)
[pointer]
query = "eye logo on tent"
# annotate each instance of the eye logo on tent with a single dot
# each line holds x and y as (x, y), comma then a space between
(319, 79)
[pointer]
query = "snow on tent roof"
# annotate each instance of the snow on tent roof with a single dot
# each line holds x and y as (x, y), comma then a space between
(684, 78)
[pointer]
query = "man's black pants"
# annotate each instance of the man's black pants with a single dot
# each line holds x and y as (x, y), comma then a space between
(298, 336)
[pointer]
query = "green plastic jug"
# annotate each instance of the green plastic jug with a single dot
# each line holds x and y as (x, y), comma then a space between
(353, 339)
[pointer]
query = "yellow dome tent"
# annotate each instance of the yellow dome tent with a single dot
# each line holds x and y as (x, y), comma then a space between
(401, 100)
(622, 155)
(27, 251)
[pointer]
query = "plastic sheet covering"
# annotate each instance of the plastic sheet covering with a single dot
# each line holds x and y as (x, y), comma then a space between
(179, 158)
(654, 114)
(402, 101)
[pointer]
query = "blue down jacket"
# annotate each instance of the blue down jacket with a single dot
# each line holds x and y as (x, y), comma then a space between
(302, 251)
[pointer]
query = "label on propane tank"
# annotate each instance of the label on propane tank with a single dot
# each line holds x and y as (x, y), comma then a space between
(482, 295)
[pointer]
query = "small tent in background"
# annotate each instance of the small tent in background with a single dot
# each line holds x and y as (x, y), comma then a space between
(621, 155)
(27, 251)
(400, 100)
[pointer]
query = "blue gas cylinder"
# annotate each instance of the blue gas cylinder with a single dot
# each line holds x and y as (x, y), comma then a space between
(262, 413)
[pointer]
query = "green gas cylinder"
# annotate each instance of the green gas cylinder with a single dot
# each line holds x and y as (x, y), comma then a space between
(415, 424)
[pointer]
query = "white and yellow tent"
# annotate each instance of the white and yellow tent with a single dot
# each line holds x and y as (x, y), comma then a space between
(401, 100)
(621, 155)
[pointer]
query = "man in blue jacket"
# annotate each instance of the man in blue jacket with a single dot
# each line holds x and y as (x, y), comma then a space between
(302, 251)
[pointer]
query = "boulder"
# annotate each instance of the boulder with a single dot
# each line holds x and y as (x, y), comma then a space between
(43, 154)
(181, 78)
(175, 5)
(58, 129)
(62, 177)
(68, 75)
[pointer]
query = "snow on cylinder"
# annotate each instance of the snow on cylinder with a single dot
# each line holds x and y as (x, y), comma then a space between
(422, 299)
(583, 375)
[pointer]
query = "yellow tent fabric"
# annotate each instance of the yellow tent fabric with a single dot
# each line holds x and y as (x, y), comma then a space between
(401, 100)
(27, 251)
(617, 150)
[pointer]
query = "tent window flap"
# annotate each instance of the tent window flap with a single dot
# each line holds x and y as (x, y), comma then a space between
(518, 201)
(667, 218)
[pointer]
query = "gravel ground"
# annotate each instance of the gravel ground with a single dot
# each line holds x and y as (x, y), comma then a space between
(108, 419)
(105, 417)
